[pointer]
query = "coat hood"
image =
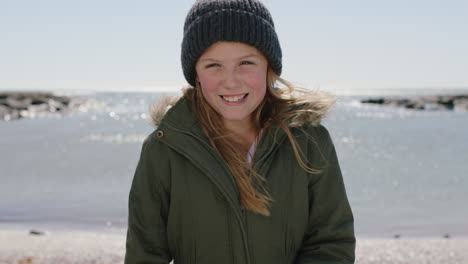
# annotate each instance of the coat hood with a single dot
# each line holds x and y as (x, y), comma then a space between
(311, 108)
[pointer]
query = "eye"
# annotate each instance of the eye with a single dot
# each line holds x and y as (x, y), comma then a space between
(212, 65)
(246, 63)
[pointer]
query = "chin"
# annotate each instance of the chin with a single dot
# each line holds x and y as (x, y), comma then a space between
(231, 118)
(235, 117)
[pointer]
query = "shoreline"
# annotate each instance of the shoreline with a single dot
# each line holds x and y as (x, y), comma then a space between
(121, 229)
(18, 246)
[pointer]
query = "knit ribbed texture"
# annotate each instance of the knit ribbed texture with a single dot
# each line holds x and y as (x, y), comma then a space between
(246, 21)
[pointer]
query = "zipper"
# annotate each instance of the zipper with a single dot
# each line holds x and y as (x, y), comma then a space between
(239, 216)
(230, 244)
(244, 217)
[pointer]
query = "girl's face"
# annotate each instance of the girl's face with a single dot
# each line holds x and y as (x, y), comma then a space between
(232, 76)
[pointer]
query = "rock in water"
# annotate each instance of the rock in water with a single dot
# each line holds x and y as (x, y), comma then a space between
(17, 105)
(36, 232)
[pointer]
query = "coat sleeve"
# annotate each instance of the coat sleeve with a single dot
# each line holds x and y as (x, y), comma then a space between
(148, 209)
(330, 235)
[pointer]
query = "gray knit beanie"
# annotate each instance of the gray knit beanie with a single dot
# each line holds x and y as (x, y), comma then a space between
(247, 21)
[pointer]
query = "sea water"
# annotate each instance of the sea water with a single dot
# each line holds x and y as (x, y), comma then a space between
(406, 171)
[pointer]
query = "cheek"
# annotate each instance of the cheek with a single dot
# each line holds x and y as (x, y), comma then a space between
(257, 81)
(208, 84)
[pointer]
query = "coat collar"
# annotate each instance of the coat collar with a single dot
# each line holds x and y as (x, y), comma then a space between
(179, 116)
(181, 132)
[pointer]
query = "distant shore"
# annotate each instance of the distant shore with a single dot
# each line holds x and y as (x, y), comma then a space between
(86, 247)
(458, 102)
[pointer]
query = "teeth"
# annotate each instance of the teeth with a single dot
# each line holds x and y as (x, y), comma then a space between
(233, 98)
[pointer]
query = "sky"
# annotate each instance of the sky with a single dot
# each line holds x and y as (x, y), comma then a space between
(135, 45)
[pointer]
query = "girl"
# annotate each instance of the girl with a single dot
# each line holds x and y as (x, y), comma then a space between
(239, 169)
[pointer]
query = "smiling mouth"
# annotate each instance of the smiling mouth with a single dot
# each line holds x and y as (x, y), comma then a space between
(234, 98)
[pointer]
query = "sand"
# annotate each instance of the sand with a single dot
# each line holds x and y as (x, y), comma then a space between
(61, 248)
(19, 247)
(412, 251)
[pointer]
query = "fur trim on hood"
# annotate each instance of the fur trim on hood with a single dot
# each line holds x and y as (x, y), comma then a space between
(159, 109)
(313, 106)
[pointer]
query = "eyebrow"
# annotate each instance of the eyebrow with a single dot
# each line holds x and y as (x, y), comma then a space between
(242, 57)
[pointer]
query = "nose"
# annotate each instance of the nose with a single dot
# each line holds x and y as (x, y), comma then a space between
(231, 79)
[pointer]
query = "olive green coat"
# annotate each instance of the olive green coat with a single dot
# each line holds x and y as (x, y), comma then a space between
(184, 204)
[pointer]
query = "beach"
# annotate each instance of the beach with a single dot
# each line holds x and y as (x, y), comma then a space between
(63, 247)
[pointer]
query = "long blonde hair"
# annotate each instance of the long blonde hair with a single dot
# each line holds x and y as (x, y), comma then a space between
(277, 106)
